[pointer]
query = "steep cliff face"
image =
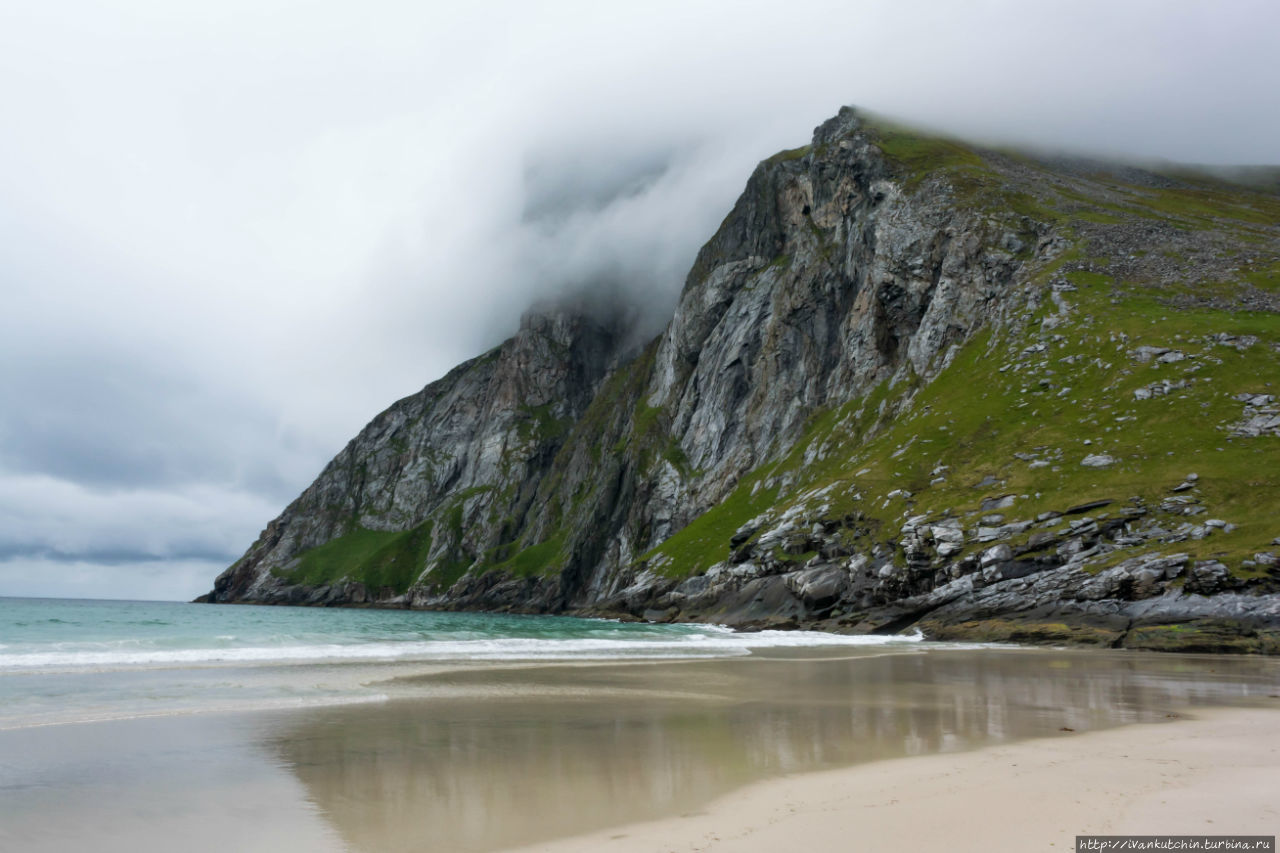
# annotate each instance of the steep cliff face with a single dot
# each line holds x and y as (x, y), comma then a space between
(404, 493)
(864, 414)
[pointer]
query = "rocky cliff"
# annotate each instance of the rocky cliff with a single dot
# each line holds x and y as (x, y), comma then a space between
(910, 383)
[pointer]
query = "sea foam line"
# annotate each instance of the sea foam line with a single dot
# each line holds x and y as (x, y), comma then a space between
(718, 642)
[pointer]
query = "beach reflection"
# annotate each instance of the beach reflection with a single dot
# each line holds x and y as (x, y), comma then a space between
(493, 757)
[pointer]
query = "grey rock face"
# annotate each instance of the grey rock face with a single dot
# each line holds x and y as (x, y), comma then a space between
(473, 442)
(825, 279)
(542, 475)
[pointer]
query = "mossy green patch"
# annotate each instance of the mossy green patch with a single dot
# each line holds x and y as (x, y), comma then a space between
(1097, 217)
(1264, 276)
(791, 154)
(1087, 278)
(919, 154)
(1204, 636)
(621, 393)
(705, 541)
(1031, 632)
(645, 419)
(1210, 207)
(446, 573)
(376, 558)
(539, 424)
(543, 559)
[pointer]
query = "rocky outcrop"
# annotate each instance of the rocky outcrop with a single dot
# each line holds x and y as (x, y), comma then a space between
(477, 441)
(757, 463)
(1028, 581)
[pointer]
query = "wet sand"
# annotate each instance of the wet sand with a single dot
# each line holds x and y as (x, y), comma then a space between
(490, 757)
(1213, 775)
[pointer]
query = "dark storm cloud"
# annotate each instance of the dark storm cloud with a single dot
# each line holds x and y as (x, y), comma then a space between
(230, 233)
(54, 532)
(133, 422)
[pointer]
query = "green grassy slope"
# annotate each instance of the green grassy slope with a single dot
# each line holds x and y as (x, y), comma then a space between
(1189, 267)
(1021, 406)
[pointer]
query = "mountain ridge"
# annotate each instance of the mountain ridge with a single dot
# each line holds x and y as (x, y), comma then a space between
(762, 461)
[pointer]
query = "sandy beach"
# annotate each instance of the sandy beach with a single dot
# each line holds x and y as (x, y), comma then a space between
(1213, 774)
(809, 749)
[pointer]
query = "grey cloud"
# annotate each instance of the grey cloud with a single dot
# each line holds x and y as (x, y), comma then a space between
(229, 236)
(137, 422)
(118, 557)
(168, 580)
(559, 184)
(56, 521)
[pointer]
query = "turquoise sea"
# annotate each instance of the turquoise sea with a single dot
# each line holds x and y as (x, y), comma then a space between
(65, 660)
(145, 726)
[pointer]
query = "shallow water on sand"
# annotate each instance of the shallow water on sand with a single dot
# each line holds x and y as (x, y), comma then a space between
(475, 757)
(75, 661)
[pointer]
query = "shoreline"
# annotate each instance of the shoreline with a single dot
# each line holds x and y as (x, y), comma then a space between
(492, 755)
(1199, 629)
(1210, 772)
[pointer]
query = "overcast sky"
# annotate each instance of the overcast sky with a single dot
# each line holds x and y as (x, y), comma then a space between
(232, 232)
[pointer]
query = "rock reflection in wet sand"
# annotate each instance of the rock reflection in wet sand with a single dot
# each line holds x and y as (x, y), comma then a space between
(492, 757)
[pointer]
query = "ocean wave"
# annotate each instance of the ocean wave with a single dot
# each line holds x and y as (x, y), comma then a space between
(709, 641)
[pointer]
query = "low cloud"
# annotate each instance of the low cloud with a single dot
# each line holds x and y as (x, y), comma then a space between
(147, 580)
(62, 521)
(231, 234)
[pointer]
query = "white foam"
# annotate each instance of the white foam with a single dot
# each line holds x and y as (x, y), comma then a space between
(708, 641)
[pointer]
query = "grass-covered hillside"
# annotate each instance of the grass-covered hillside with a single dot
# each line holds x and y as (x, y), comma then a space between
(1109, 390)
(910, 381)
(1136, 382)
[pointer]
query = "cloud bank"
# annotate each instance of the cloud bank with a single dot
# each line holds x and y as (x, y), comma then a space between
(231, 233)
